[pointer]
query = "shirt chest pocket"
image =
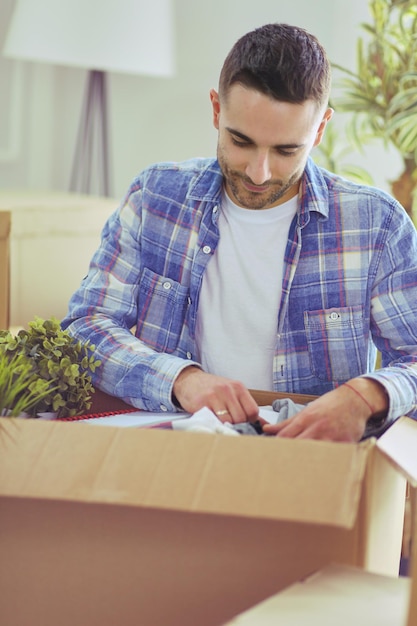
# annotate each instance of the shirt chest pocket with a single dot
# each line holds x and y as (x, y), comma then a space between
(162, 308)
(337, 342)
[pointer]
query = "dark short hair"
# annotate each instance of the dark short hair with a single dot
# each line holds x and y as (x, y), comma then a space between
(281, 61)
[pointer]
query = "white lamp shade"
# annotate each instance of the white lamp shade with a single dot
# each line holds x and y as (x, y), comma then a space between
(128, 36)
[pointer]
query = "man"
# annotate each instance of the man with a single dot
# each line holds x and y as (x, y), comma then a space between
(258, 269)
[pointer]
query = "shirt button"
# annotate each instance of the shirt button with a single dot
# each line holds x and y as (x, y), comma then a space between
(334, 316)
(163, 407)
(189, 355)
(215, 209)
(189, 300)
(166, 285)
(206, 249)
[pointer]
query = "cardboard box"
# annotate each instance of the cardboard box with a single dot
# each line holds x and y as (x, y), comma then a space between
(53, 237)
(105, 526)
(5, 221)
(336, 595)
(342, 595)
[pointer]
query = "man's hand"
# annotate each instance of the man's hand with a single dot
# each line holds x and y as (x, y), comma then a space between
(339, 415)
(228, 399)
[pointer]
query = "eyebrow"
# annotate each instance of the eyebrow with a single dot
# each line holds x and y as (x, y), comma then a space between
(283, 146)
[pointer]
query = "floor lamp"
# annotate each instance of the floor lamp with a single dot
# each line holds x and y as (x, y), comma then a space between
(93, 125)
(127, 36)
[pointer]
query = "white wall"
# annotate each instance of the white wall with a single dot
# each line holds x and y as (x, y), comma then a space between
(154, 119)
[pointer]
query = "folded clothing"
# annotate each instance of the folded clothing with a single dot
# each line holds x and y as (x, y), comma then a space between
(205, 421)
(285, 408)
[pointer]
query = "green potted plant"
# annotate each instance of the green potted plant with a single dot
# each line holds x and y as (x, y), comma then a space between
(382, 93)
(45, 370)
(20, 387)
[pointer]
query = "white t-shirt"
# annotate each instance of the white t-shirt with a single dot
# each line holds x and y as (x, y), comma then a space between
(241, 292)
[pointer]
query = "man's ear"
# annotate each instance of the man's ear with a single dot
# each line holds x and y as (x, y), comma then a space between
(328, 114)
(215, 103)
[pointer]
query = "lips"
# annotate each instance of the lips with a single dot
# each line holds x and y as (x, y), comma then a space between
(255, 188)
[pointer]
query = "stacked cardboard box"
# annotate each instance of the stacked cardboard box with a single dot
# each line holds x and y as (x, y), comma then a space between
(337, 594)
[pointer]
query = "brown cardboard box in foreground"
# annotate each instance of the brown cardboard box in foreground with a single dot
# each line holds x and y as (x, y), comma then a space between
(104, 526)
(342, 595)
(5, 221)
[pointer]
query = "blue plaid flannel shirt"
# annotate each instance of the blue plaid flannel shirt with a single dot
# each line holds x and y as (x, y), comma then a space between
(349, 287)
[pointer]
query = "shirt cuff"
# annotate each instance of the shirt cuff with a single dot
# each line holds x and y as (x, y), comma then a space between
(159, 381)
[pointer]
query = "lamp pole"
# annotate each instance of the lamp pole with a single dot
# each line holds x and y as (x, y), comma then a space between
(92, 138)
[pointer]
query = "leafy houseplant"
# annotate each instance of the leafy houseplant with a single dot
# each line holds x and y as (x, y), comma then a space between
(333, 154)
(44, 369)
(382, 93)
(20, 387)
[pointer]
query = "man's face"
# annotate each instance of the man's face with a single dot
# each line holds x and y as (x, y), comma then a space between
(263, 144)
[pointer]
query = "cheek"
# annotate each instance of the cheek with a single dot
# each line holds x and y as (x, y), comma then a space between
(234, 157)
(289, 166)
(284, 168)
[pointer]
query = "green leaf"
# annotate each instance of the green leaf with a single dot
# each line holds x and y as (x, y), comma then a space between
(44, 367)
(381, 94)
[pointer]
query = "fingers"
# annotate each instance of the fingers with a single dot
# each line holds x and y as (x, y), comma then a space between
(296, 429)
(230, 400)
(291, 428)
(328, 418)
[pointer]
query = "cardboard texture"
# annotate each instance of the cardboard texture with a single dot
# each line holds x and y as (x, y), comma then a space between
(54, 234)
(337, 595)
(343, 595)
(124, 526)
(5, 221)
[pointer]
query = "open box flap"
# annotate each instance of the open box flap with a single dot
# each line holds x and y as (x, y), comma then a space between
(262, 477)
(412, 608)
(399, 444)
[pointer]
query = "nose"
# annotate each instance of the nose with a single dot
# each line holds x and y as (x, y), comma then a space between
(258, 168)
